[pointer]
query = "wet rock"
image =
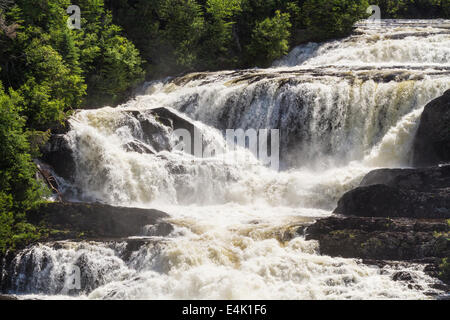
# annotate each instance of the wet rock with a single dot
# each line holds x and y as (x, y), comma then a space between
(432, 142)
(420, 179)
(93, 220)
(394, 215)
(381, 238)
(160, 229)
(58, 154)
(154, 133)
(412, 193)
(139, 147)
(176, 121)
(5, 297)
(60, 127)
(384, 201)
(402, 276)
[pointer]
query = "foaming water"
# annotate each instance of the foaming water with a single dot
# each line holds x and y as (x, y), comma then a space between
(406, 43)
(343, 108)
(247, 263)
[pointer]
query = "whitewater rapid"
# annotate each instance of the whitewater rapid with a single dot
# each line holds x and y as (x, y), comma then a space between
(343, 108)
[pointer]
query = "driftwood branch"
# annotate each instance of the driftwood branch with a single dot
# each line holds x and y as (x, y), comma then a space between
(50, 180)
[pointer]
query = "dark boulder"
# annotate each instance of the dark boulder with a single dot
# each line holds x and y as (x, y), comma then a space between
(139, 147)
(384, 201)
(413, 193)
(432, 142)
(94, 220)
(155, 134)
(402, 276)
(381, 238)
(60, 127)
(421, 179)
(171, 118)
(58, 154)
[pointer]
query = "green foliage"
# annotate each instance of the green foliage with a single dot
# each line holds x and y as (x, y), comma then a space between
(176, 36)
(19, 191)
(218, 41)
(51, 87)
(332, 18)
(270, 39)
(110, 63)
(414, 9)
(183, 28)
(6, 221)
(444, 267)
(48, 71)
(57, 66)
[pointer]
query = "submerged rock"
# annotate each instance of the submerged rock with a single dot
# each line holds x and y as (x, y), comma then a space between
(432, 141)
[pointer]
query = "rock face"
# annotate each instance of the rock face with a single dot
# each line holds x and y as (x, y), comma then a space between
(97, 221)
(413, 193)
(154, 133)
(58, 154)
(432, 142)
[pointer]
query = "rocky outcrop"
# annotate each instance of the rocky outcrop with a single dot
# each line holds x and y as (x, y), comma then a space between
(382, 238)
(97, 221)
(413, 193)
(432, 141)
(154, 133)
(139, 147)
(395, 214)
(384, 201)
(421, 179)
(58, 154)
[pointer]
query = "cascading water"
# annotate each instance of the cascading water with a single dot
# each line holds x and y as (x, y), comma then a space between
(343, 108)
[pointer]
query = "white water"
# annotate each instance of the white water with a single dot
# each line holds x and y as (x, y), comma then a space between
(343, 108)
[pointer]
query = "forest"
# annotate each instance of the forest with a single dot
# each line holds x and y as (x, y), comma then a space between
(48, 70)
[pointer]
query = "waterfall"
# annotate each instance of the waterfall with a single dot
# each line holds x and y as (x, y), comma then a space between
(342, 107)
